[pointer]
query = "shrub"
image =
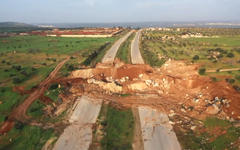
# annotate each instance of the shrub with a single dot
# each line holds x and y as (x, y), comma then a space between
(17, 80)
(214, 79)
(196, 57)
(237, 88)
(18, 68)
(70, 67)
(202, 71)
(230, 55)
(53, 86)
(231, 81)
(19, 125)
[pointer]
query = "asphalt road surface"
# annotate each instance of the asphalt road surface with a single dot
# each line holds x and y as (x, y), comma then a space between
(111, 53)
(78, 135)
(157, 132)
(136, 56)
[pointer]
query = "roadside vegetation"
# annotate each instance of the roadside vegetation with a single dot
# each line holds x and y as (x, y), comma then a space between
(216, 134)
(114, 129)
(25, 137)
(119, 129)
(124, 52)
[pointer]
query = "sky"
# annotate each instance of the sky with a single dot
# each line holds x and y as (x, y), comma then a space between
(107, 11)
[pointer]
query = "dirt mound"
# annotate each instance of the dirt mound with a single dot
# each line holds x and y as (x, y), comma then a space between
(175, 83)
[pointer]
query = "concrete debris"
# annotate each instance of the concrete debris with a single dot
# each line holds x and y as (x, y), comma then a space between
(84, 74)
(138, 86)
(112, 86)
(193, 127)
(212, 110)
(176, 81)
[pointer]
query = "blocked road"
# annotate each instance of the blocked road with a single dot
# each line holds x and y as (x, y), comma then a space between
(157, 132)
(78, 135)
(136, 56)
(111, 53)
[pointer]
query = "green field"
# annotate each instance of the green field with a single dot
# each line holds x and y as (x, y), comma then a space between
(28, 60)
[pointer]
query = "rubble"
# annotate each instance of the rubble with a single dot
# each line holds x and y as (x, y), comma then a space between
(212, 110)
(177, 82)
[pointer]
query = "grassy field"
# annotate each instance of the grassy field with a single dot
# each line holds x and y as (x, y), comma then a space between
(50, 45)
(25, 137)
(119, 127)
(124, 52)
(26, 61)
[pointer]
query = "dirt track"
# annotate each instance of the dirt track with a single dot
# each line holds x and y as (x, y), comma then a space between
(19, 113)
(222, 70)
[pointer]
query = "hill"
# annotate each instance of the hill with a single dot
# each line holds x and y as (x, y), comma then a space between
(15, 25)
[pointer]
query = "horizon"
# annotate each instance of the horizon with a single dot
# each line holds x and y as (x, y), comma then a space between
(109, 11)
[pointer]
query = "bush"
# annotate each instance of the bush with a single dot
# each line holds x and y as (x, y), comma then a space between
(214, 79)
(237, 88)
(18, 68)
(70, 67)
(196, 57)
(231, 81)
(202, 71)
(53, 86)
(230, 55)
(19, 125)
(17, 80)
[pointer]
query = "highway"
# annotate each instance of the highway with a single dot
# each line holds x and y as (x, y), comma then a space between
(157, 132)
(136, 56)
(78, 135)
(111, 53)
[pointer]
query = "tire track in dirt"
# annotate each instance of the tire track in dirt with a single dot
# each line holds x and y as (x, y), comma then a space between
(19, 113)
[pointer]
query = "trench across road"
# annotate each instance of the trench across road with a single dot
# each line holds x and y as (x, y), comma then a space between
(111, 53)
(136, 56)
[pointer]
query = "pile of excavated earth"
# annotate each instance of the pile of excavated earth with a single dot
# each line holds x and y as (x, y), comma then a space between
(174, 88)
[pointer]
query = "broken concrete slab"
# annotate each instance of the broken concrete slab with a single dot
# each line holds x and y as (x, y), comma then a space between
(157, 132)
(79, 134)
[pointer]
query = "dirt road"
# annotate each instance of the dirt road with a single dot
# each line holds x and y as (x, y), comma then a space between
(157, 132)
(78, 136)
(19, 113)
(222, 70)
(136, 56)
(111, 53)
